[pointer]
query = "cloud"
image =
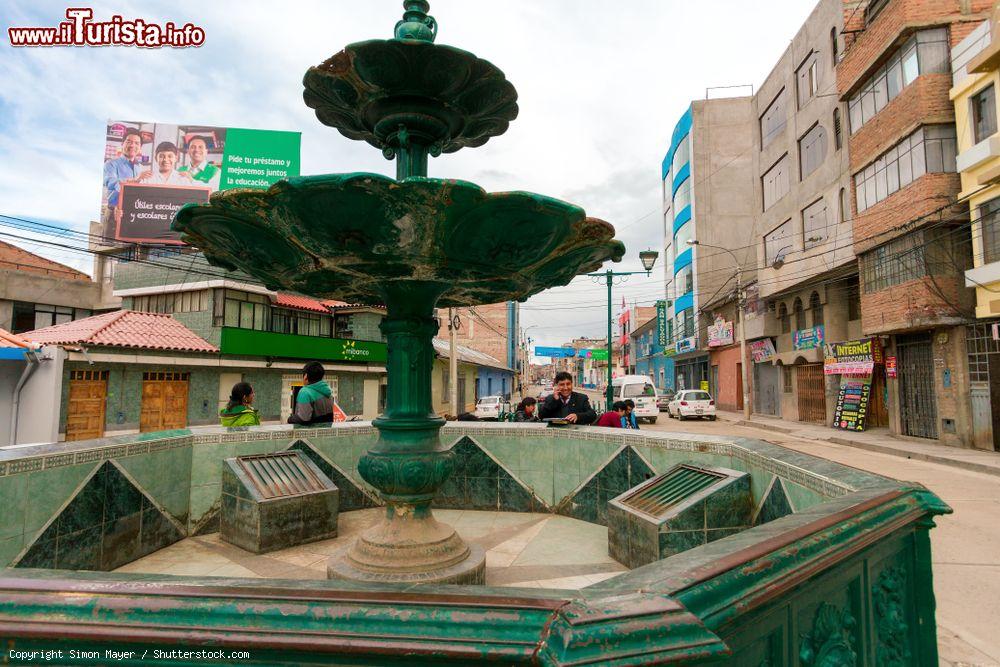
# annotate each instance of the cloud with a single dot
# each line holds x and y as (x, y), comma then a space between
(600, 88)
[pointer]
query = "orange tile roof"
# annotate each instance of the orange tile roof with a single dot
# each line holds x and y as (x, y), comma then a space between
(124, 328)
(19, 259)
(299, 302)
(7, 339)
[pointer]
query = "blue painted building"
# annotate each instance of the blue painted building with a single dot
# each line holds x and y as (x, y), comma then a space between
(708, 210)
(651, 358)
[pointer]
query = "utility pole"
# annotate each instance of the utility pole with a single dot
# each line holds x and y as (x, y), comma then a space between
(452, 361)
(648, 259)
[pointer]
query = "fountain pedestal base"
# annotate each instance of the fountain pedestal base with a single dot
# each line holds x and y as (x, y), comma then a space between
(409, 545)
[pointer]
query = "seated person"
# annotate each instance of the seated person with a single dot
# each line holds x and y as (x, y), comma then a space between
(526, 410)
(614, 418)
(564, 403)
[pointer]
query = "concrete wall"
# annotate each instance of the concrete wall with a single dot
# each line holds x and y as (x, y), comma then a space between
(825, 182)
(39, 288)
(441, 400)
(723, 202)
(37, 420)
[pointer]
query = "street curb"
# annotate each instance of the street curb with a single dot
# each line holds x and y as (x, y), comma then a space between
(917, 456)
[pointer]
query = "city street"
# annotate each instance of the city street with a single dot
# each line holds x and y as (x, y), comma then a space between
(966, 544)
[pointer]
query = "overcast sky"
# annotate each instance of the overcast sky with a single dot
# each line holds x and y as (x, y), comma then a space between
(600, 88)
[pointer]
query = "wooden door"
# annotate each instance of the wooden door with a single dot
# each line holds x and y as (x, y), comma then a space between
(164, 401)
(812, 393)
(88, 397)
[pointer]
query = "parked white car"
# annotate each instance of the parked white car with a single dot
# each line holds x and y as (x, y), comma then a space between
(642, 391)
(692, 403)
(489, 407)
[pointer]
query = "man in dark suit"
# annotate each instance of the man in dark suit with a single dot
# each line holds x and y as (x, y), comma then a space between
(566, 403)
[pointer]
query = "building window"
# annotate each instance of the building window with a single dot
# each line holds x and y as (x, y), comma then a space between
(984, 113)
(800, 315)
(937, 251)
(681, 155)
(814, 225)
(242, 310)
(777, 242)
(834, 49)
(812, 150)
(854, 302)
(772, 121)
(685, 323)
(807, 78)
(838, 137)
(843, 205)
(786, 326)
(299, 323)
(989, 223)
(682, 198)
(873, 9)
(931, 149)
(775, 182)
(684, 281)
(924, 53)
(30, 316)
(175, 302)
(786, 379)
(816, 308)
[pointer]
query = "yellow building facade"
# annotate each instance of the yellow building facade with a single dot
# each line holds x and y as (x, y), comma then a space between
(976, 75)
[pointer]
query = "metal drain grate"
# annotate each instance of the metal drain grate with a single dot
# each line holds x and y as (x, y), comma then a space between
(676, 485)
(280, 475)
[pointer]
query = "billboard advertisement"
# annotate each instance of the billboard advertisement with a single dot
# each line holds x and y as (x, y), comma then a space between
(152, 169)
(555, 352)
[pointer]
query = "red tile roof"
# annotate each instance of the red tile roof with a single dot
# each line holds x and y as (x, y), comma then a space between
(124, 328)
(299, 302)
(19, 259)
(7, 339)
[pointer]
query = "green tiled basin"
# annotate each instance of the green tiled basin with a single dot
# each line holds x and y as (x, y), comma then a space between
(835, 569)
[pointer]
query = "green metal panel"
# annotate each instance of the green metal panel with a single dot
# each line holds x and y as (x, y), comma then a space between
(248, 342)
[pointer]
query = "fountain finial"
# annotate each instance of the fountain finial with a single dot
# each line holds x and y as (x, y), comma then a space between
(416, 24)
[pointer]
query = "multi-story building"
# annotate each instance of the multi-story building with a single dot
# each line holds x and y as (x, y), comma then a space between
(37, 292)
(910, 234)
(707, 199)
(491, 329)
(629, 318)
(807, 283)
(975, 64)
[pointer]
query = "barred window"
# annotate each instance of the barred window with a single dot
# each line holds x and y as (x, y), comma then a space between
(786, 379)
(894, 263)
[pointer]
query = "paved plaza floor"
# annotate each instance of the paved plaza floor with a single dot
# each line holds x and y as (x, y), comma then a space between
(523, 550)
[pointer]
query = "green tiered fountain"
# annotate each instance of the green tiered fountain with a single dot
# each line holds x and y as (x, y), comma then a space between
(411, 243)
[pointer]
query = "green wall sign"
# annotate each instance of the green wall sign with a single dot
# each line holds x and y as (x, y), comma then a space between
(267, 344)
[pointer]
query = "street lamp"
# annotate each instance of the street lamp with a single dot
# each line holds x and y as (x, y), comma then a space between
(648, 259)
(744, 378)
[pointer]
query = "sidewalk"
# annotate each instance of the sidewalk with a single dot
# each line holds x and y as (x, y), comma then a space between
(877, 440)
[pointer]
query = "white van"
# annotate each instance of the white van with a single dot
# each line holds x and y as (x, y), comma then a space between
(642, 390)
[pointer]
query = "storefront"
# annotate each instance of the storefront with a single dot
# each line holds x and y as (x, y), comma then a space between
(691, 371)
(862, 395)
(726, 366)
(766, 378)
(983, 342)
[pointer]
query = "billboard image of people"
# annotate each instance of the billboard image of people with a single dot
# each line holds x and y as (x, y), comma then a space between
(152, 169)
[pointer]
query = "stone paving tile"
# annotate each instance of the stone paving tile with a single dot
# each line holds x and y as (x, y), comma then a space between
(562, 552)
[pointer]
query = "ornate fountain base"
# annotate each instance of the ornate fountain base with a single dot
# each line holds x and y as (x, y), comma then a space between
(409, 545)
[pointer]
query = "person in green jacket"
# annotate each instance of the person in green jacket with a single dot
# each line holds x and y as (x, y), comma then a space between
(240, 411)
(314, 402)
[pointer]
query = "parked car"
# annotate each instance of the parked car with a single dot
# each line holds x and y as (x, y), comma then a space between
(490, 407)
(663, 400)
(639, 388)
(692, 403)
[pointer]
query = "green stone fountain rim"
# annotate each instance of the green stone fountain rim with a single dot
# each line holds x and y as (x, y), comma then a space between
(348, 236)
(446, 96)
